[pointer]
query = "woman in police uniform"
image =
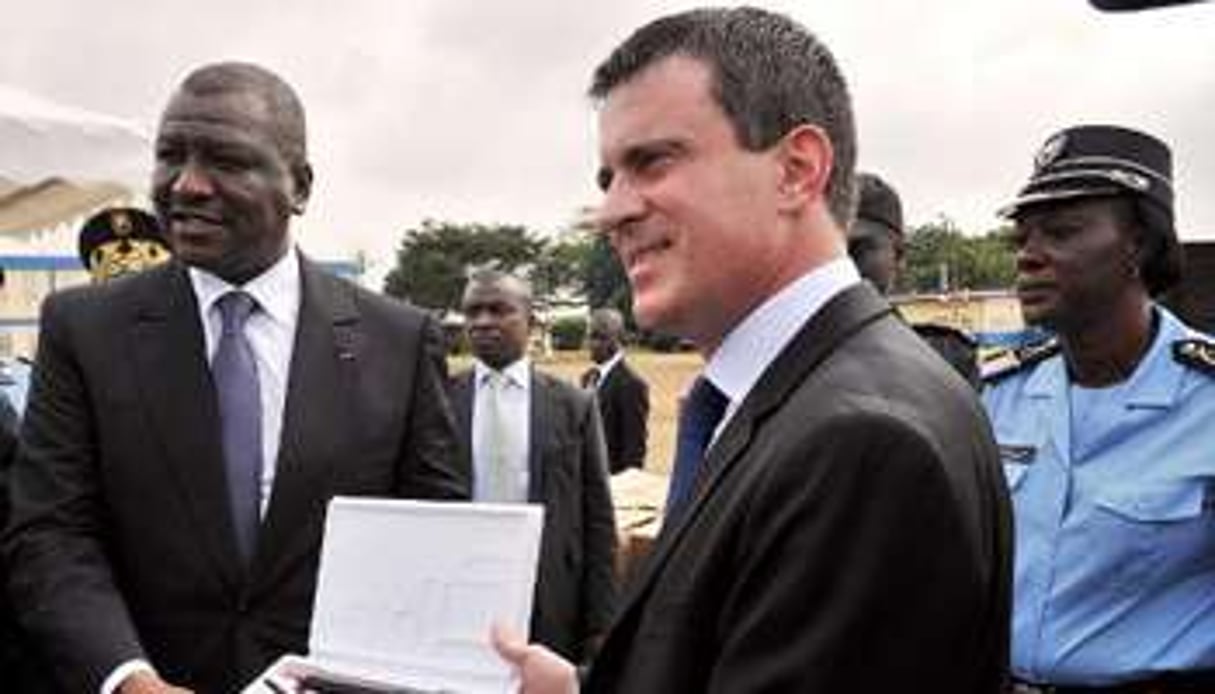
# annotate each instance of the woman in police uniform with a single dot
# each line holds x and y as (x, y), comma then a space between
(1107, 434)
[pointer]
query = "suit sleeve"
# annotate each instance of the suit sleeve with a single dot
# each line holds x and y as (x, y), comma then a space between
(853, 546)
(599, 528)
(432, 467)
(634, 419)
(61, 579)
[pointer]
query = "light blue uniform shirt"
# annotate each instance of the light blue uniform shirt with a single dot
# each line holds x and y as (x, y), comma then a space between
(1113, 492)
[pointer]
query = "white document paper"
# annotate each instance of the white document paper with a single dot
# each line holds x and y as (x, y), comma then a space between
(408, 591)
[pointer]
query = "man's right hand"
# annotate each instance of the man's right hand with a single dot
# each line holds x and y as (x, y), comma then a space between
(148, 683)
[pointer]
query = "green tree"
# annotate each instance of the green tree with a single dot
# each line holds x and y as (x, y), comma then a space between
(433, 261)
(939, 257)
(562, 266)
(607, 285)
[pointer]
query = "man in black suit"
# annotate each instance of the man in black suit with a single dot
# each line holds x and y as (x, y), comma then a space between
(535, 438)
(21, 670)
(846, 529)
(622, 395)
(187, 425)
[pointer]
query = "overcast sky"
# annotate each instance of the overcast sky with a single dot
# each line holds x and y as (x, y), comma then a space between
(473, 110)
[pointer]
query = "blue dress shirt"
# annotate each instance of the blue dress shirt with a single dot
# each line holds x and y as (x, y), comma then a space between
(1114, 497)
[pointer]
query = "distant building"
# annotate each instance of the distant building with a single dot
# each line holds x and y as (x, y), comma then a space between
(992, 317)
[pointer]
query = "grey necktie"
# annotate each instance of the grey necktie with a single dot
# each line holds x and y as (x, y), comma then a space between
(500, 483)
(234, 370)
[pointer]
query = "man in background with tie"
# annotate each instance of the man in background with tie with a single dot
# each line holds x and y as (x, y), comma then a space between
(187, 425)
(623, 396)
(535, 438)
(841, 523)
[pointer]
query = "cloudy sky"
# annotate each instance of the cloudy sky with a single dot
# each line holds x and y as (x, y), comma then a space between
(473, 110)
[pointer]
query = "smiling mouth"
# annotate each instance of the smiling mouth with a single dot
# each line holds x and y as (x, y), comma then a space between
(193, 220)
(636, 255)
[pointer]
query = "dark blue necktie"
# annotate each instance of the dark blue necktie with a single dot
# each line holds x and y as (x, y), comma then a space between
(702, 410)
(240, 414)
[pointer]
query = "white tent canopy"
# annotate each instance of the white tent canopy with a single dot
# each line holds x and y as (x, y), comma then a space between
(59, 162)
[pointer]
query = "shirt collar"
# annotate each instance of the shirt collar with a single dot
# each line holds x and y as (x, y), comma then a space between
(517, 373)
(606, 367)
(1155, 382)
(754, 343)
(276, 290)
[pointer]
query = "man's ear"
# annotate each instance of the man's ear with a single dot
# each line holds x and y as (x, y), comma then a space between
(301, 189)
(806, 159)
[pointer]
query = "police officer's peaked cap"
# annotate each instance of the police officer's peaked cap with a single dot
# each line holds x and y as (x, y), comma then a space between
(879, 203)
(120, 240)
(1106, 160)
(1099, 160)
(116, 224)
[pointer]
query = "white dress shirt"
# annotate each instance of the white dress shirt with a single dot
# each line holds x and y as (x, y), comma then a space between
(602, 370)
(753, 344)
(271, 334)
(517, 411)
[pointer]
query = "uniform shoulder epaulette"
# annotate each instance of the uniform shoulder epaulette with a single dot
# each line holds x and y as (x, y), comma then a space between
(1021, 358)
(1197, 353)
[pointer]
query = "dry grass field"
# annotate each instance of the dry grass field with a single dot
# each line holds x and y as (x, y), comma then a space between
(668, 375)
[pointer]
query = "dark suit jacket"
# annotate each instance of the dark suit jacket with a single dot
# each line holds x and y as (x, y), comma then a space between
(850, 533)
(21, 670)
(121, 545)
(624, 405)
(575, 595)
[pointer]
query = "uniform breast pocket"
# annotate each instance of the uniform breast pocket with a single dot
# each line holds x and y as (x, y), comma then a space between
(1167, 530)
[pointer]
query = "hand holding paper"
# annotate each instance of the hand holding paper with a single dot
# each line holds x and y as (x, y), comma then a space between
(540, 670)
(407, 593)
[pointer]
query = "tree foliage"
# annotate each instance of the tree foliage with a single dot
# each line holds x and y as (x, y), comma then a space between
(939, 257)
(607, 285)
(561, 267)
(433, 261)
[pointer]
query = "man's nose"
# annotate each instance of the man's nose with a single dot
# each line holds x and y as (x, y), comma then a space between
(621, 204)
(193, 180)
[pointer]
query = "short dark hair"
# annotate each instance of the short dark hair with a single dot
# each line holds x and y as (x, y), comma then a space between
(488, 276)
(283, 106)
(609, 321)
(770, 75)
(1160, 261)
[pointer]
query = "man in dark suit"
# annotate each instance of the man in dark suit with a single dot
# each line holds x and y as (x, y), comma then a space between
(21, 669)
(188, 424)
(622, 395)
(838, 521)
(535, 438)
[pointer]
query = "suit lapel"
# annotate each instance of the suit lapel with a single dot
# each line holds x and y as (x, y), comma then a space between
(327, 350)
(841, 317)
(175, 381)
(537, 431)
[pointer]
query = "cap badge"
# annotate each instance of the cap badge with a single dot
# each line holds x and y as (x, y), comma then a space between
(1050, 152)
(120, 221)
